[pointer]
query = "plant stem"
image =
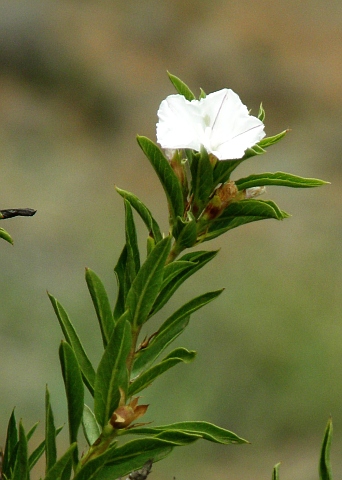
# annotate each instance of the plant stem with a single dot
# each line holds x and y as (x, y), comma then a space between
(130, 358)
(175, 251)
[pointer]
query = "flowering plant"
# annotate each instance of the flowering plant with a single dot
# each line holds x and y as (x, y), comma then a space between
(205, 139)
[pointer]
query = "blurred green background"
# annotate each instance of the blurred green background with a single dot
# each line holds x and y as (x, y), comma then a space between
(78, 81)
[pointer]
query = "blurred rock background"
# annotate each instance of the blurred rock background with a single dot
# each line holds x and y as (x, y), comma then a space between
(78, 81)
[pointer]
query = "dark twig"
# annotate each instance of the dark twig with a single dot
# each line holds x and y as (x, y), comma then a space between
(141, 474)
(15, 212)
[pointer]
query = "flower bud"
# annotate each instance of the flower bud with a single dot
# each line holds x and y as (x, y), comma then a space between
(124, 415)
(223, 196)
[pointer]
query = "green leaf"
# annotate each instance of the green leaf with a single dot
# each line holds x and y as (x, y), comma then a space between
(132, 456)
(50, 434)
(172, 270)
(146, 356)
(252, 151)
(185, 232)
(170, 330)
(21, 469)
(122, 283)
(223, 169)
(145, 379)
(55, 473)
(325, 472)
(261, 114)
(6, 236)
(171, 282)
(275, 474)
(205, 430)
(201, 181)
(181, 87)
(74, 392)
(38, 451)
(166, 175)
(91, 470)
(277, 178)
(147, 283)
(133, 256)
(101, 303)
(72, 338)
(202, 94)
(144, 212)
(31, 431)
(10, 446)
(91, 428)
(240, 213)
(268, 141)
(178, 437)
(112, 372)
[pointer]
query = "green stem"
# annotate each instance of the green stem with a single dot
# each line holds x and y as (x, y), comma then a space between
(175, 251)
(130, 358)
(99, 446)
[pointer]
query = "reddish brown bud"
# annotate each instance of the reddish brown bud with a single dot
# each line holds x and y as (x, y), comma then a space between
(124, 415)
(223, 196)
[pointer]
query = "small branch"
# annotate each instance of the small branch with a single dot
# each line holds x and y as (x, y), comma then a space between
(17, 212)
(141, 474)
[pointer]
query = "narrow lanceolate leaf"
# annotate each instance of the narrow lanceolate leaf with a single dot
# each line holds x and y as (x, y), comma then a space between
(277, 178)
(146, 357)
(223, 170)
(243, 212)
(166, 176)
(112, 372)
(261, 114)
(144, 212)
(101, 303)
(268, 141)
(146, 378)
(275, 473)
(92, 469)
(10, 446)
(251, 152)
(202, 94)
(205, 430)
(21, 470)
(178, 437)
(122, 284)
(176, 273)
(38, 451)
(50, 434)
(90, 426)
(172, 270)
(56, 472)
(133, 256)
(31, 431)
(325, 472)
(6, 236)
(201, 181)
(185, 232)
(132, 456)
(72, 338)
(181, 87)
(147, 283)
(169, 331)
(74, 392)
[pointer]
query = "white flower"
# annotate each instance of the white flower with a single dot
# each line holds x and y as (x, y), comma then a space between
(220, 122)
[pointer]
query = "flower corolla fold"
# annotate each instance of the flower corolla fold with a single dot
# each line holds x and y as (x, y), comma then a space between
(220, 122)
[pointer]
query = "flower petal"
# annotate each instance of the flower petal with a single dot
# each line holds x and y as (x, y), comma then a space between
(220, 122)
